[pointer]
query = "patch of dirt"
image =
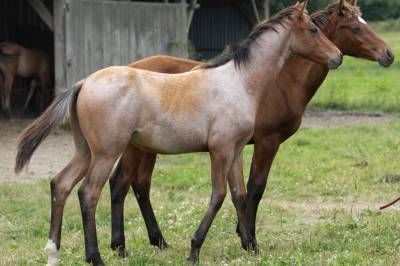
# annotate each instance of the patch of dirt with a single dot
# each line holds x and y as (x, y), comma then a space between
(313, 212)
(56, 151)
(50, 157)
(316, 118)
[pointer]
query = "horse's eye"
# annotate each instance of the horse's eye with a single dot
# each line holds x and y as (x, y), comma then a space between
(356, 29)
(313, 30)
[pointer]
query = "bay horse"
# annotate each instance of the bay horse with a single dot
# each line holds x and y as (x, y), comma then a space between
(212, 109)
(278, 118)
(28, 63)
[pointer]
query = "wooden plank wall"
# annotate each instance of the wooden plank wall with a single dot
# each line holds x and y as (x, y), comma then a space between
(105, 33)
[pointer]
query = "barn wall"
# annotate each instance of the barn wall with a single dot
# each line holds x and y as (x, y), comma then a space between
(215, 26)
(105, 33)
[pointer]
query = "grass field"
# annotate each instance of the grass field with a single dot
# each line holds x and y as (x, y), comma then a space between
(362, 85)
(320, 208)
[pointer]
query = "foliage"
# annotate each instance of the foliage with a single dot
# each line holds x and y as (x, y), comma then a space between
(373, 10)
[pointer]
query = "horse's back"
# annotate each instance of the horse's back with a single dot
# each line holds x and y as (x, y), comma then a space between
(165, 64)
(10, 48)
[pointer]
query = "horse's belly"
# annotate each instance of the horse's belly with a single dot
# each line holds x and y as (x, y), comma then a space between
(166, 140)
(26, 70)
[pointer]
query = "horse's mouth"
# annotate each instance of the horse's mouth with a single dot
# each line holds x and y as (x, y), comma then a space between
(385, 62)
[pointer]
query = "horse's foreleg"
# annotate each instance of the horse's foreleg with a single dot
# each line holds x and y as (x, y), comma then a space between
(89, 194)
(264, 154)
(141, 187)
(61, 186)
(8, 84)
(120, 181)
(32, 88)
(221, 163)
(239, 199)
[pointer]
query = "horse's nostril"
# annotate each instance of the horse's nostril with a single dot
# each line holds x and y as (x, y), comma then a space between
(389, 54)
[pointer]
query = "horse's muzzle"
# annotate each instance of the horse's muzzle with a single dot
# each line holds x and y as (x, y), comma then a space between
(387, 59)
(335, 63)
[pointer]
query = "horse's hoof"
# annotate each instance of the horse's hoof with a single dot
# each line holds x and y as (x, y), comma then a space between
(159, 242)
(193, 259)
(95, 260)
(250, 246)
(238, 230)
(122, 252)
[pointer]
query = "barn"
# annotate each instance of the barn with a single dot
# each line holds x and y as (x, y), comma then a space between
(85, 35)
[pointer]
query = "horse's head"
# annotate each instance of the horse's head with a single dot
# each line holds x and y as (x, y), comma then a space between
(307, 40)
(344, 26)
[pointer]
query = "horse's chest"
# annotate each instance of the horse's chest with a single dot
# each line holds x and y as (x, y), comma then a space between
(284, 122)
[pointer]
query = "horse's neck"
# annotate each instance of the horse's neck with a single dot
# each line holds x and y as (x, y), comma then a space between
(267, 58)
(315, 78)
(316, 72)
(305, 77)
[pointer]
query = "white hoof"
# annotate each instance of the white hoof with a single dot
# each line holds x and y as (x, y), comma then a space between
(52, 253)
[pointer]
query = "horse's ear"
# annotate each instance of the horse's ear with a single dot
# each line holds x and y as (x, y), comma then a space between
(302, 4)
(353, 2)
(341, 6)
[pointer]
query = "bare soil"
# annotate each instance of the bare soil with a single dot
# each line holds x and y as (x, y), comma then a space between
(58, 148)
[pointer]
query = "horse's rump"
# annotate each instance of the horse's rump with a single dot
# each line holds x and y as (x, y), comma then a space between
(8, 58)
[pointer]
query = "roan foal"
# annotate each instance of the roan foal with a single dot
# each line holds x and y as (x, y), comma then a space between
(211, 109)
(278, 117)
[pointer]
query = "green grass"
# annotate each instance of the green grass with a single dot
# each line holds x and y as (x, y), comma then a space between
(363, 85)
(320, 208)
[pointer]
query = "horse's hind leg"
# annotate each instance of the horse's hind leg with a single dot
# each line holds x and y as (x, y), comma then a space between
(32, 87)
(141, 187)
(134, 168)
(2, 92)
(120, 182)
(61, 186)
(45, 86)
(89, 193)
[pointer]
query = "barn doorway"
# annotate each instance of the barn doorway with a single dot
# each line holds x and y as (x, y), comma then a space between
(21, 24)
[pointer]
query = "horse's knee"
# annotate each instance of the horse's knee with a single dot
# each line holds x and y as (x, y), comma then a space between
(217, 199)
(141, 190)
(239, 199)
(87, 198)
